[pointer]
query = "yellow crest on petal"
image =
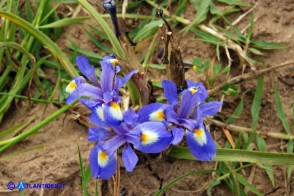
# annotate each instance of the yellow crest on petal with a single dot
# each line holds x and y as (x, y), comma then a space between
(115, 111)
(193, 89)
(157, 116)
(200, 136)
(148, 137)
(102, 158)
(114, 105)
(71, 87)
(114, 62)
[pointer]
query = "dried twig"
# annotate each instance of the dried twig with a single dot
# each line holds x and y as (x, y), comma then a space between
(244, 15)
(240, 129)
(248, 75)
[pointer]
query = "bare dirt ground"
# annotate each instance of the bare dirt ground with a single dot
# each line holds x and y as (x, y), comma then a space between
(58, 162)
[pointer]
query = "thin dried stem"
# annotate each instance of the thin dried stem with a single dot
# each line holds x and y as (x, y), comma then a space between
(229, 43)
(240, 129)
(243, 15)
(248, 75)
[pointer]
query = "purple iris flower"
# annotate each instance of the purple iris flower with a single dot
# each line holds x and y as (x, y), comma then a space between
(147, 137)
(185, 115)
(102, 97)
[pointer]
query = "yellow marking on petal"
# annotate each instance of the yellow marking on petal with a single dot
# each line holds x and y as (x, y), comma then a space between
(102, 158)
(193, 89)
(114, 105)
(71, 87)
(148, 137)
(114, 62)
(100, 112)
(200, 136)
(157, 116)
(143, 138)
(116, 111)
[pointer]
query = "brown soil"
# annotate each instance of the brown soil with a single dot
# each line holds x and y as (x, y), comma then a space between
(58, 161)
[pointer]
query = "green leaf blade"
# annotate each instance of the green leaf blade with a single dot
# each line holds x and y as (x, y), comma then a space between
(235, 155)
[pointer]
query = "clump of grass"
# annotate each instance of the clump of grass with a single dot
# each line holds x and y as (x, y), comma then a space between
(23, 64)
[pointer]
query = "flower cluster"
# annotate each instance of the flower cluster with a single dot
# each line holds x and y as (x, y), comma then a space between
(151, 130)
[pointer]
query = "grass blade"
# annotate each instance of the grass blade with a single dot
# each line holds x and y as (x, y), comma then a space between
(235, 155)
(267, 45)
(243, 181)
(180, 178)
(202, 11)
(256, 105)
(280, 111)
(18, 153)
(83, 175)
(268, 168)
(35, 128)
(237, 111)
(112, 38)
(234, 2)
(52, 47)
(147, 30)
(64, 22)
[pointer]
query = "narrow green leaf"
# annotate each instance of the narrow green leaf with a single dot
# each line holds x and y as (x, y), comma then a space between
(206, 37)
(101, 34)
(243, 181)
(267, 45)
(87, 175)
(269, 171)
(29, 11)
(21, 152)
(64, 22)
(35, 128)
(97, 43)
(235, 155)
(118, 50)
(268, 168)
(212, 184)
(220, 14)
(256, 51)
(256, 105)
(9, 130)
(237, 35)
(158, 193)
(290, 148)
(52, 47)
(234, 2)
(134, 93)
(148, 30)
(19, 48)
(280, 111)
(260, 143)
(201, 15)
(96, 188)
(82, 170)
(250, 31)
(181, 7)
